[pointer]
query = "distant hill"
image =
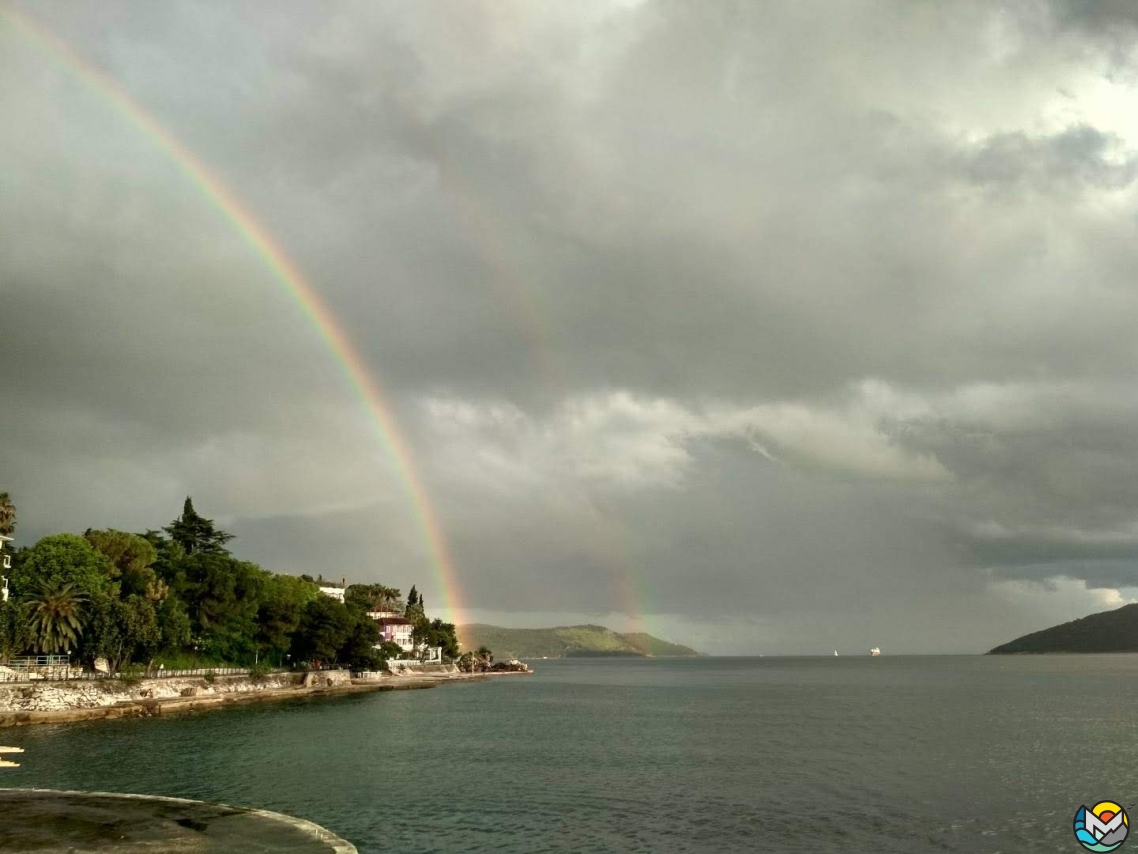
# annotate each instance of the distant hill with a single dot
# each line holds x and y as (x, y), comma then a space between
(649, 645)
(1110, 631)
(566, 641)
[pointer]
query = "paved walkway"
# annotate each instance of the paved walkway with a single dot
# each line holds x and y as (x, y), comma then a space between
(52, 822)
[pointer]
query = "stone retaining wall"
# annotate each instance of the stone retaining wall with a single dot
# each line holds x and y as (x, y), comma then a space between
(65, 702)
(58, 696)
(327, 678)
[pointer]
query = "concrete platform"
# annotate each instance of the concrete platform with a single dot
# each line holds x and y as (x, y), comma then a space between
(47, 821)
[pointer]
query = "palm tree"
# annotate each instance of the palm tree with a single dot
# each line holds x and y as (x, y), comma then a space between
(56, 616)
(387, 598)
(7, 515)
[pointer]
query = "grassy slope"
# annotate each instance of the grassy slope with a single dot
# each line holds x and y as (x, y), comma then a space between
(1110, 631)
(562, 640)
(654, 646)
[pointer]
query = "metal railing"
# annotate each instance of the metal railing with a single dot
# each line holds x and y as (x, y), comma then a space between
(24, 662)
(24, 668)
(162, 673)
(65, 673)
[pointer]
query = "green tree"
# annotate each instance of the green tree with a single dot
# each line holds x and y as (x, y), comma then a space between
(281, 608)
(15, 630)
(173, 625)
(168, 551)
(55, 616)
(325, 627)
(414, 610)
(122, 630)
(223, 597)
(132, 557)
(446, 636)
(388, 650)
(7, 515)
(59, 560)
(436, 633)
(196, 534)
(373, 597)
(359, 651)
(387, 598)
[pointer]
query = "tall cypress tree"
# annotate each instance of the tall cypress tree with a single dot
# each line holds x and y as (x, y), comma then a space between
(196, 534)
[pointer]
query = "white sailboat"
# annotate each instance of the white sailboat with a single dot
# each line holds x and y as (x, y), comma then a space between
(835, 652)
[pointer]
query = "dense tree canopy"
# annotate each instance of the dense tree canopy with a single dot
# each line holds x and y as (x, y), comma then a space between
(62, 559)
(436, 633)
(131, 558)
(325, 626)
(122, 630)
(15, 630)
(373, 597)
(282, 605)
(178, 593)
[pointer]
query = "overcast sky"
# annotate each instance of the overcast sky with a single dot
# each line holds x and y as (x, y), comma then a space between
(766, 327)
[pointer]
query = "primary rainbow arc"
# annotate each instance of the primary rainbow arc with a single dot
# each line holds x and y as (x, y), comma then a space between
(366, 386)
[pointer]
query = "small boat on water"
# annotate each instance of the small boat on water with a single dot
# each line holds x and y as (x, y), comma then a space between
(875, 651)
(835, 652)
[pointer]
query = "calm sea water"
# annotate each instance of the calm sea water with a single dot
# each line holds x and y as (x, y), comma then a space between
(895, 754)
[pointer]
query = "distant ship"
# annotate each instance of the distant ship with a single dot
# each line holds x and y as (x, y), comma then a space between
(835, 652)
(875, 651)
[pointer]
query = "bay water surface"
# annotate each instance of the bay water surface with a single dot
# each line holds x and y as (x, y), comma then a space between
(852, 754)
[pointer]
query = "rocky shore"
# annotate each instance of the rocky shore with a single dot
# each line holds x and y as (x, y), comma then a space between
(23, 704)
(51, 822)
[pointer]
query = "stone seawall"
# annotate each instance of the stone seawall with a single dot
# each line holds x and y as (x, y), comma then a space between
(103, 693)
(22, 704)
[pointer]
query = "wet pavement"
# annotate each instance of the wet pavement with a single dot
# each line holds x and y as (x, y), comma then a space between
(53, 822)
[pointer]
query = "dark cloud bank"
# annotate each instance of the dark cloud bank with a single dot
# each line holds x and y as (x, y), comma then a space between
(770, 327)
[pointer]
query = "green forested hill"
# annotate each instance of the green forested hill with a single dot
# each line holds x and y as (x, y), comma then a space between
(1110, 631)
(565, 641)
(649, 645)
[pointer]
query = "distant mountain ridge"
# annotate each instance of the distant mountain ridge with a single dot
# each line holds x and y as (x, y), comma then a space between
(1109, 631)
(566, 641)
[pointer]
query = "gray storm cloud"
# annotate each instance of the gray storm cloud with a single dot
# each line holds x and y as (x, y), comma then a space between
(810, 326)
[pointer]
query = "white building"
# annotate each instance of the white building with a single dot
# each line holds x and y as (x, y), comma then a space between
(384, 615)
(5, 564)
(397, 630)
(330, 588)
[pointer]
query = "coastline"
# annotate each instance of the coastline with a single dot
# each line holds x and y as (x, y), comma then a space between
(199, 695)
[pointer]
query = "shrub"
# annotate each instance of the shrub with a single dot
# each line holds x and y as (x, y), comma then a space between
(210, 676)
(132, 674)
(259, 671)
